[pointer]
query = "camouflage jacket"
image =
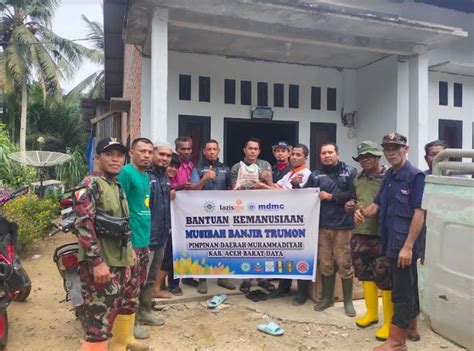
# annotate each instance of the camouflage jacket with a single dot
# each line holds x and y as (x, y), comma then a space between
(99, 193)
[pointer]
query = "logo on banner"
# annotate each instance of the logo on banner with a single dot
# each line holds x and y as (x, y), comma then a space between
(209, 206)
(289, 266)
(258, 267)
(302, 267)
(238, 206)
(245, 267)
(280, 266)
(252, 206)
(269, 266)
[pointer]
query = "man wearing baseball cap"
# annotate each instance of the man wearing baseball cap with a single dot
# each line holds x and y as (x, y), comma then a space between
(401, 219)
(371, 266)
(281, 152)
(105, 256)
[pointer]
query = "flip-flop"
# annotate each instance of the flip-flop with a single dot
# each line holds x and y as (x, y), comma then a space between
(216, 301)
(271, 329)
(266, 285)
(262, 295)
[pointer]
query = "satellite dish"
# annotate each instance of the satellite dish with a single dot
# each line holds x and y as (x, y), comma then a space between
(39, 158)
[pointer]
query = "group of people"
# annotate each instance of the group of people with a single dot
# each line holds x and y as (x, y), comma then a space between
(370, 223)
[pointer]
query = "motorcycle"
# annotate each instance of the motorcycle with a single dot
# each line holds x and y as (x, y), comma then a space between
(66, 259)
(15, 284)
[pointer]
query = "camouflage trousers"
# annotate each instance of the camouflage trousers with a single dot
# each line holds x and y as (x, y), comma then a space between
(334, 246)
(370, 263)
(101, 301)
(138, 277)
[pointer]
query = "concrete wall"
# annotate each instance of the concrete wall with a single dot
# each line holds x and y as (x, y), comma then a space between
(132, 86)
(377, 99)
(219, 68)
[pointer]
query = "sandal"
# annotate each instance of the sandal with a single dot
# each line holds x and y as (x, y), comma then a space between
(271, 329)
(245, 286)
(262, 295)
(266, 285)
(216, 301)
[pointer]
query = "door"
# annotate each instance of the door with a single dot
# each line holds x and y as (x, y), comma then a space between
(199, 129)
(237, 131)
(320, 133)
(451, 132)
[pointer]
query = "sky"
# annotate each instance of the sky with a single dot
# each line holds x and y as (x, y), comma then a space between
(67, 23)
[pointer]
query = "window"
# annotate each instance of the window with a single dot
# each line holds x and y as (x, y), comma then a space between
(229, 91)
(293, 96)
(457, 94)
(246, 92)
(184, 87)
(315, 98)
(205, 89)
(331, 99)
(262, 94)
(278, 95)
(443, 93)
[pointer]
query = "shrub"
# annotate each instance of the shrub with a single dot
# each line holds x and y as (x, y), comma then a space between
(33, 216)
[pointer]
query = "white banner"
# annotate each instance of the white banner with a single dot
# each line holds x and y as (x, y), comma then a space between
(245, 234)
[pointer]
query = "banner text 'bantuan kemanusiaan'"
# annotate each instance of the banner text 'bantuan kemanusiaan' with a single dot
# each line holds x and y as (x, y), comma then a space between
(245, 234)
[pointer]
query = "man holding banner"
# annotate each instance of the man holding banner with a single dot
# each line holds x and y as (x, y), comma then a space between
(211, 174)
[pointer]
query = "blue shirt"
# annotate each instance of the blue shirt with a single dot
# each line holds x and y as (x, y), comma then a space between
(222, 180)
(400, 194)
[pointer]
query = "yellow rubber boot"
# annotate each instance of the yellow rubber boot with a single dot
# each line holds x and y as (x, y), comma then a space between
(382, 333)
(120, 333)
(371, 303)
(132, 343)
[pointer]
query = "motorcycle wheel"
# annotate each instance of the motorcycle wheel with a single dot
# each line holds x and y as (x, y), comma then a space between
(23, 294)
(3, 329)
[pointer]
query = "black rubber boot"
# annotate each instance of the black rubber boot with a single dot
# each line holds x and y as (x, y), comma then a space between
(302, 294)
(347, 294)
(328, 293)
(283, 289)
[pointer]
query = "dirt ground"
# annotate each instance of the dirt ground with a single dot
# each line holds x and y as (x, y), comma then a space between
(43, 323)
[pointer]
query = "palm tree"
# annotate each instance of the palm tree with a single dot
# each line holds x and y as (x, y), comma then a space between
(30, 50)
(95, 82)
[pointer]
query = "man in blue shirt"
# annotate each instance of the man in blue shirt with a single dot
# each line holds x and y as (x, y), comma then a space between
(211, 174)
(401, 219)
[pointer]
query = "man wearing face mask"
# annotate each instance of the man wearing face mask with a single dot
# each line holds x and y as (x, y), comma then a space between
(398, 206)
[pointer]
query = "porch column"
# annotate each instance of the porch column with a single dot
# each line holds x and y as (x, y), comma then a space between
(403, 96)
(159, 76)
(418, 100)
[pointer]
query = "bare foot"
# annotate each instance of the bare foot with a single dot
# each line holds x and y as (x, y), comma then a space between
(160, 294)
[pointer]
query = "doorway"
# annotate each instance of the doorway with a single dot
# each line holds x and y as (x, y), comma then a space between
(237, 131)
(199, 129)
(320, 133)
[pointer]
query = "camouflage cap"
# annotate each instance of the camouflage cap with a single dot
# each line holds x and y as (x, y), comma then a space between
(394, 139)
(108, 143)
(367, 147)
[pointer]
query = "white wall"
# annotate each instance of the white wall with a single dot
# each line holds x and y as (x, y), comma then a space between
(464, 113)
(377, 100)
(220, 68)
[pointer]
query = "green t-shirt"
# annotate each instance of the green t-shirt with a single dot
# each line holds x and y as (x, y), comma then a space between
(366, 189)
(136, 186)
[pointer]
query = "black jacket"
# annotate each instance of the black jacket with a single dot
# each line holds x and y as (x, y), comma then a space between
(160, 207)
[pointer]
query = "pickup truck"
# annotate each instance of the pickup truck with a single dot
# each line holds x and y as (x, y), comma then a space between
(446, 278)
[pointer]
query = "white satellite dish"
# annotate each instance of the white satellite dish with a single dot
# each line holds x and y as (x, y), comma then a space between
(39, 158)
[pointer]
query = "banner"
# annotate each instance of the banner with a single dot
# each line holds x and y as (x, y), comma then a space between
(245, 234)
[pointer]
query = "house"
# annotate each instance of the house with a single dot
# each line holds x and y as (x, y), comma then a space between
(333, 70)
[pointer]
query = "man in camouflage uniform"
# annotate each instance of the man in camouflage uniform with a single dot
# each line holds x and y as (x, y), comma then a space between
(105, 261)
(368, 258)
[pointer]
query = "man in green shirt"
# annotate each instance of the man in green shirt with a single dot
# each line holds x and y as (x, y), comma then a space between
(369, 261)
(105, 256)
(136, 185)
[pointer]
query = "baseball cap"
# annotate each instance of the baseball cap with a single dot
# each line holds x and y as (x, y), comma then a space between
(108, 143)
(394, 139)
(282, 144)
(367, 147)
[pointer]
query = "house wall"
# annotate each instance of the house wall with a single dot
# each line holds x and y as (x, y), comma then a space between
(220, 68)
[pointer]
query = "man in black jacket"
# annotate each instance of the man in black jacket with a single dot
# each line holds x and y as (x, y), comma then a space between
(335, 180)
(160, 230)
